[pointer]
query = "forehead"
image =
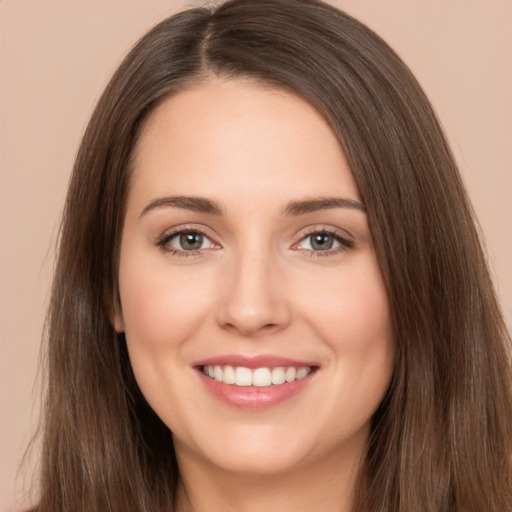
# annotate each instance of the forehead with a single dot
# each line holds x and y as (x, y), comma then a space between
(222, 134)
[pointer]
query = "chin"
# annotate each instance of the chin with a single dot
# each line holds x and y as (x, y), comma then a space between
(259, 450)
(258, 463)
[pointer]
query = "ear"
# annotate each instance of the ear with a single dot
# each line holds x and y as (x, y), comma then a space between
(116, 315)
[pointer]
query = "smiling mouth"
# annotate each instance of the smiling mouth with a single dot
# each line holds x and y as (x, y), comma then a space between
(241, 376)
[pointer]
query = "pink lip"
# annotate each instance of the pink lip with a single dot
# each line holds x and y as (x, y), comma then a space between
(253, 398)
(252, 362)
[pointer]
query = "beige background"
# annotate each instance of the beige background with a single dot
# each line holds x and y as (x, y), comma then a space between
(55, 58)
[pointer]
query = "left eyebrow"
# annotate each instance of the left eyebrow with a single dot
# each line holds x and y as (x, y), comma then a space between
(321, 203)
(191, 203)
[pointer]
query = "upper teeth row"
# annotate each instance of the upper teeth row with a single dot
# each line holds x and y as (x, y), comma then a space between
(241, 376)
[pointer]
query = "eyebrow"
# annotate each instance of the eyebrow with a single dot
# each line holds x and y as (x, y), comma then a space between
(194, 204)
(322, 203)
(293, 208)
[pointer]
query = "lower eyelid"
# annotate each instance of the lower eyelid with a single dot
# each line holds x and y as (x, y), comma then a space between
(324, 254)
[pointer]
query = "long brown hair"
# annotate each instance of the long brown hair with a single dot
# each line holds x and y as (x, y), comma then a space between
(442, 438)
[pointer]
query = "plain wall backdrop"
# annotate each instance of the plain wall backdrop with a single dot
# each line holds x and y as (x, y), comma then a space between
(56, 57)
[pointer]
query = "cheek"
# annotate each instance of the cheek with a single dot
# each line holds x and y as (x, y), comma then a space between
(353, 318)
(161, 311)
(364, 336)
(351, 308)
(160, 306)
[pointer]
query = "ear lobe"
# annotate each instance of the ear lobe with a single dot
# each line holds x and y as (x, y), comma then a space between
(116, 317)
(118, 323)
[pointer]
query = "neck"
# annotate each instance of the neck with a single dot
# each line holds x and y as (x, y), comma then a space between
(326, 485)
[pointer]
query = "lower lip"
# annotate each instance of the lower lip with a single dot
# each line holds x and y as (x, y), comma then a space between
(252, 397)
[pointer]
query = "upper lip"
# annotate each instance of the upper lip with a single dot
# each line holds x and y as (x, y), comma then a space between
(252, 362)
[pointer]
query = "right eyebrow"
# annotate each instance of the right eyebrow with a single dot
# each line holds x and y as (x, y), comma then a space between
(321, 203)
(192, 203)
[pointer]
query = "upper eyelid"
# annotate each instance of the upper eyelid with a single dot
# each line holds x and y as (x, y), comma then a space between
(172, 235)
(184, 228)
(324, 228)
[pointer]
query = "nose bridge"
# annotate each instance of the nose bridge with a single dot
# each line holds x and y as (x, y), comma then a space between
(254, 300)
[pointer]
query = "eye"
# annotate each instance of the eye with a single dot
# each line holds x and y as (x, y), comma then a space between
(323, 241)
(186, 241)
(189, 241)
(320, 242)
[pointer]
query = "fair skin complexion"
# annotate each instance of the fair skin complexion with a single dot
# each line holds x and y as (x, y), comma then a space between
(274, 260)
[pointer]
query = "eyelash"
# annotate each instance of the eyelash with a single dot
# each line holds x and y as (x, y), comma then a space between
(344, 243)
(164, 241)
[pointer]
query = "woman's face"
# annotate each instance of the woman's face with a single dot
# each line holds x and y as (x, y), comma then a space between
(255, 313)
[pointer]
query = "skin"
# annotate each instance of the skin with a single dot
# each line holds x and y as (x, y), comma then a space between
(256, 286)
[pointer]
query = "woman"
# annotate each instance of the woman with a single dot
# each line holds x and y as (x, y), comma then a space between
(270, 291)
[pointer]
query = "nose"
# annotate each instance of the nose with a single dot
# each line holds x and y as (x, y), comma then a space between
(254, 301)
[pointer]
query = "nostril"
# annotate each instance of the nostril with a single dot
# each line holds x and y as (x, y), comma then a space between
(248, 308)
(254, 329)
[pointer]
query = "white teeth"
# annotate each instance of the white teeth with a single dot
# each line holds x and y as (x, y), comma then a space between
(217, 373)
(228, 375)
(259, 377)
(301, 373)
(278, 376)
(243, 376)
(290, 374)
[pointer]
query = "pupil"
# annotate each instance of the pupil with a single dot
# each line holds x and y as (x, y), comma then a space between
(322, 242)
(191, 241)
